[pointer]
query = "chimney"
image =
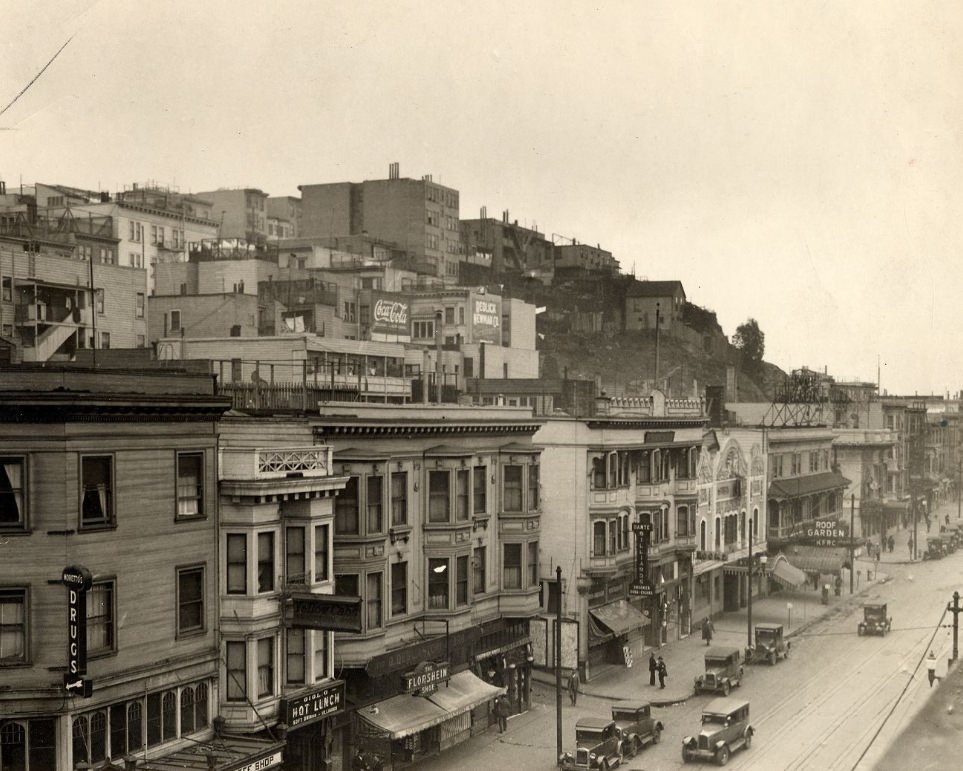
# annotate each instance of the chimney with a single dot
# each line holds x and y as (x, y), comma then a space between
(393, 170)
(505, 216)
(439, 367)
(602, 404)
(484, 212)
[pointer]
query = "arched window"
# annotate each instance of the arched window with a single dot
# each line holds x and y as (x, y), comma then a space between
(135, 724)
(13, 746)
(200, 706)
(187, 711)
(81, 740)
(169, 715)
(98, 737)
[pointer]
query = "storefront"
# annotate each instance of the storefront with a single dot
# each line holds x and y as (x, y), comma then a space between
(314, 738)
(615, 632)
(504, 658)
(404, 729)
(223, 752)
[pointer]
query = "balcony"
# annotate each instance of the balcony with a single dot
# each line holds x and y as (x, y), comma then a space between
(253, 463)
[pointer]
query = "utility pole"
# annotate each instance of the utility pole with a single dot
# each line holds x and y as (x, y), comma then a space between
(749, 599)
(955, 609)
(852, 550)
(959, 471)
(558, 665)
(915, 518)
(655, 378)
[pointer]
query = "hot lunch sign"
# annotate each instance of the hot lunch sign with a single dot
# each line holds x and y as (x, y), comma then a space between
(310, 707)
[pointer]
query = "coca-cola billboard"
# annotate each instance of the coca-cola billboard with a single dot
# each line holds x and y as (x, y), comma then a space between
(390, 314)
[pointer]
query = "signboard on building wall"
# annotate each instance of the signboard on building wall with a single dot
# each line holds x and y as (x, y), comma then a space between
(486, 320)
(313, 706)
(326, 611)
(542, 631)
(391, 315)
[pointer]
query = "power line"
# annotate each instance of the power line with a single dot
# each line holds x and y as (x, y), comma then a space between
(34, 79)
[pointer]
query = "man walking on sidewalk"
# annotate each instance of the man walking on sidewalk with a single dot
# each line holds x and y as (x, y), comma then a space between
(663, 673)
(707, 630)
(653, 668)
(573, 686)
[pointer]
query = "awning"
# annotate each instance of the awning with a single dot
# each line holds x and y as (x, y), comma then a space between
(401, 716)
(897, 506)
(782, 489)
(817, 559)
(704, 566)
(229, 753)
(464, 691)
(619, 617)
(784, 573)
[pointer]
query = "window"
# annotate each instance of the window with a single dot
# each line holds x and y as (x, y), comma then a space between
(682, 521)
(478, 570)
(153, 234)
(346, 584)
(346, 508)
(105, 340)
(461, 314)
(139, 306)
(437, 583)
(175, 317)
(320, 655)
(399, 498)
(624, 543)
(141, 341)
(461, 580)
(374, 503)
(512, 566)
(449, 315)
(599, 473)
(265, 562)
(644, 469)
(190, 484)
(99, 300)
(160, 235)
(461, 495)
(236, 563)
(438, 498)
(13, 627)
(236, 665)
(614, 536)
(399, 588)
(533, 487)
(7, 295)
(512, 488)
(100, 618)
(598, 538)
(373, 600)
(294, 656)
(533, 563)
(424, 330)
(295, 567)
(265, 667)
(480, 490)
(12, 512)
(190, 600)
(321, 572)
(96, 480)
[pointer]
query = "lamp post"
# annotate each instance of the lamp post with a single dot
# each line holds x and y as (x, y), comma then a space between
(558, 666)
(749, 599)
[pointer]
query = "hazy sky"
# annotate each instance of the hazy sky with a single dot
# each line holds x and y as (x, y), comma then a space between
(796, 162)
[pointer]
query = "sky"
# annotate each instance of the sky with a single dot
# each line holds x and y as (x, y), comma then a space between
(797, 163)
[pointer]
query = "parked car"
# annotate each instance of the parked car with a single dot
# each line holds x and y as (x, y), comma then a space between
(949, 542)
(636, 725)
(934, 548)
(955, 532)
(598, 744)
(875, 620)
(725, 728)
(770, 645)
(724, 671)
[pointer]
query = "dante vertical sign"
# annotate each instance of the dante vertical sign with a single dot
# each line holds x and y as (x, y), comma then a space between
(77, 579)
(640, 586)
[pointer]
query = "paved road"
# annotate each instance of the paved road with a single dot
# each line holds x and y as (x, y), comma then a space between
(820, 709)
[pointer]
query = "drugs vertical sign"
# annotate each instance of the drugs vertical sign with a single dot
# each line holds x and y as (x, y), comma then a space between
(78, 580)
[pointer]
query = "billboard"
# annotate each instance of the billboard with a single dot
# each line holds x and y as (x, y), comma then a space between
(390, 314)
(486, 320)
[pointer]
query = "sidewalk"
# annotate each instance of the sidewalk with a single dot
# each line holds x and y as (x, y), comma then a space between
(684, 658)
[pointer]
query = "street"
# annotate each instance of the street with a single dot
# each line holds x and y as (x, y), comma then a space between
(819, 709)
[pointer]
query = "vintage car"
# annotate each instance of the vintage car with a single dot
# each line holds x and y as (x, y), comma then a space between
(875, 620)
(723, 671)
(955, 532)
(598, 744)
(636, 725)
(770, 645)
(725, 728)
(949, 542)
(934, 548)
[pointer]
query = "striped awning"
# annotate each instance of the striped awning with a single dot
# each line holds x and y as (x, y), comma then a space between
(783, 572)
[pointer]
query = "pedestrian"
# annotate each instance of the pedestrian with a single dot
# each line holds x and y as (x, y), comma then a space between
(502, 709)
(910, 545)
(707, 631)
(573, 686)
(947, 519)
(653, 668)
(891, 543)
(931, 667)
(663, 672)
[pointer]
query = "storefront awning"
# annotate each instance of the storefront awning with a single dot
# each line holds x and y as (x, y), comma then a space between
(704, 566)
(817, 559)
(229, 753)
(619, 617)
(464, 691)
(783, 489)
(783, 572)
(401, 716)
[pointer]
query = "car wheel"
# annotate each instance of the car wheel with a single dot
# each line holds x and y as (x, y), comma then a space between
(604, 765)
(772, 658)
(636, 746)
(722, 756)
(686, 756)
(657, 736)
(859, 631)
(748, 739)
(725, 689)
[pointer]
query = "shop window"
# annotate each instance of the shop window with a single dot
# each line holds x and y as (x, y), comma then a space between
(373, 600)
(461, 495)
(265, 562)
(190, 600)
(374, 503)
(480, 490)
(96, 484)
(478, 570)
(512, 566)
(438, 496)
(190, 484)
(12, 487)
(437, 583)
(13, 627)
(533, 563)
(100, 618)
(294, 656)
(28, 745)
(399, 498)
(321, 554)
(295, 568)
(236, 563)
(135, 725)
(346, 509)
(512, 488)
(461, 580)
(265, 667)
(399, 588)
